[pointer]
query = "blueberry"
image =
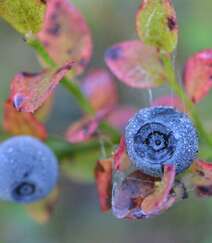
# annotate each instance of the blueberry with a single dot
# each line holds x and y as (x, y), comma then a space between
(28, 170)
(157, 136)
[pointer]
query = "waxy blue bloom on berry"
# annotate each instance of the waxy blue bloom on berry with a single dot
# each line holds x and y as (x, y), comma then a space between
(161, 135)
(28, 170)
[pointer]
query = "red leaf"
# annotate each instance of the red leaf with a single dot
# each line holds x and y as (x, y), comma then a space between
(100, 89)
(169, 101)
(82, 130)
(66, 35)
(103, 174)
(85, 128)
(136, 64)
(160, 200)
(119, 154)
(29, 91)
(198, 75)
(119, 117)
(19, 123)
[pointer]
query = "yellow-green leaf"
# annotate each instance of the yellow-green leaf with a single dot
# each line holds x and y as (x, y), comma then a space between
(41, 211)
(24, 15)
(157, 25)
(80, 168)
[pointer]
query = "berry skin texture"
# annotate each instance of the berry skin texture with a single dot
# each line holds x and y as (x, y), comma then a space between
(28, 170)
(161, 135)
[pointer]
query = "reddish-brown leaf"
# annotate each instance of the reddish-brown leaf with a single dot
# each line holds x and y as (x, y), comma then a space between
(19, 123)
(169, 101)
(198, 75)
(103, 174)
(100, 89)
(119, 154)
(29, 91)
(120, 115)
(82, 130)
(138, 196)
(136, 64)
(160, 200)
(66, 35)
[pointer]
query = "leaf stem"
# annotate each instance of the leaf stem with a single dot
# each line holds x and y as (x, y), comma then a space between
(179, 91)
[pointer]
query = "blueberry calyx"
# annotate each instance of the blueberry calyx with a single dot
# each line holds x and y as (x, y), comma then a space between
(24, 189)
(158, 142)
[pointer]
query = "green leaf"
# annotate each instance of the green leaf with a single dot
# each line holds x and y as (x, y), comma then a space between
(157, 25)
(24, 15)
(80, 168)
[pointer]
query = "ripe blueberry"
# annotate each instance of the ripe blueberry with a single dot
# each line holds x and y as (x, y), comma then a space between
(161, 135)
(28, 170)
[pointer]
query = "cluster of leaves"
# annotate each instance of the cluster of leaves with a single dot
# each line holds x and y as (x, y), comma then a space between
(62, 39)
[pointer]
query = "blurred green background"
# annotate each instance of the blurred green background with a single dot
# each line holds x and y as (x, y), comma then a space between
(77, 218)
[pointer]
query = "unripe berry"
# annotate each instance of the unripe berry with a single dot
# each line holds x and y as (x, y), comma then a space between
(161, 135)
(28, 170)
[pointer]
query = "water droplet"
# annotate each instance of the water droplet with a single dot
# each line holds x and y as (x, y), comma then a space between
(10, 150)
(18, 101)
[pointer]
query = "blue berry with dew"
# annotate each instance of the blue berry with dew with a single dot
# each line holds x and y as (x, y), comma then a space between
(161, 135)
(28, 170)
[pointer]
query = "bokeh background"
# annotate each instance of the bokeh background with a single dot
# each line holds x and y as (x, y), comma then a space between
(77, 218)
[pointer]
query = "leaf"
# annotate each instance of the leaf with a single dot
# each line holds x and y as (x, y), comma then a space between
(157, 25)
(82, 130)
(100, 80)
(120, 115)
(120, 154)
(202, 177)
(136, 64)
(103, 175)
(24, 15)
(80, 167)
(160, 200)
(43, 210)
(29, 91)
(19, 123)
(130, 193)
(198, 75)
(169, 101)
(43, 111)
(138, 196)
(66, 35)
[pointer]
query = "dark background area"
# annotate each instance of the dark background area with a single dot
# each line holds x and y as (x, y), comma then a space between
(77, 218)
